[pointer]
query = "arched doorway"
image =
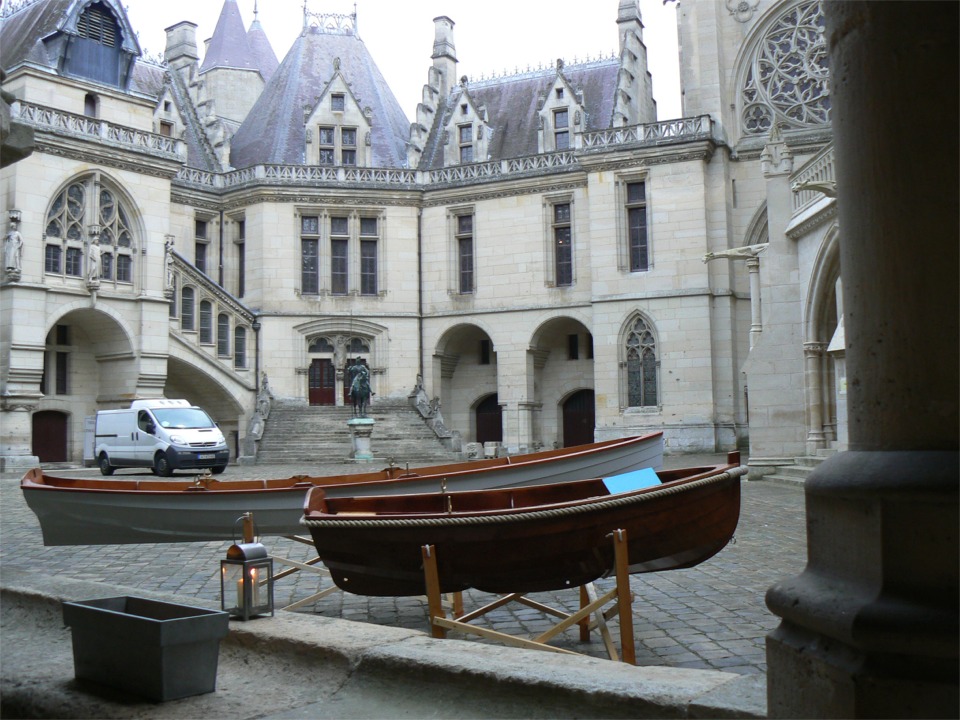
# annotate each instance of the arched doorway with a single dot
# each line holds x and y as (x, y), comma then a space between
(50, 436)
(489, 420)
(579, 418)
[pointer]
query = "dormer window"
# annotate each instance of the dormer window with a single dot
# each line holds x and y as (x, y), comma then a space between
(561, 129)
(337, 102)
(96, 51)
(465, 141)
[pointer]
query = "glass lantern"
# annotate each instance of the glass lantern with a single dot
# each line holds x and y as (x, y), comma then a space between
(246, 581)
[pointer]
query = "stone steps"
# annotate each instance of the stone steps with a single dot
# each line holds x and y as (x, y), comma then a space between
(300, 433)
(798, 473)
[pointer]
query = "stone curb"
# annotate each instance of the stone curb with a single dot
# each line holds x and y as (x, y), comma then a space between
(301, 666)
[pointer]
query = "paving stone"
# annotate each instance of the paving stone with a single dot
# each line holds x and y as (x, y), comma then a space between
(716, 608)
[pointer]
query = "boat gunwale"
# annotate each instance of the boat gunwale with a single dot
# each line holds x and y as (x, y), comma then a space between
(31, 481)
(709, 475)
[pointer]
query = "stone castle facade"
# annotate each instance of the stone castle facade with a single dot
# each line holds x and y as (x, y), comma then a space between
(538, 252)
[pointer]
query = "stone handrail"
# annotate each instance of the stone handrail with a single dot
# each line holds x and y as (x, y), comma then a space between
(650, 134)
(81, 126)
(818, 170)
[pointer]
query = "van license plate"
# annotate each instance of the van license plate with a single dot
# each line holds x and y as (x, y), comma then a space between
(206, 456)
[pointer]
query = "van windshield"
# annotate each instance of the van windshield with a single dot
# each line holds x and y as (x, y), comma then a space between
(183, 418)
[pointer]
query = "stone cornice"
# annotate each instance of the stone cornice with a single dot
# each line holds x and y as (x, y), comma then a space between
(819, 215)
(98, 154)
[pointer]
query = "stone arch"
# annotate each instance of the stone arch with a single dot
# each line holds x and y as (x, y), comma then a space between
(822, 316)
(463, 371)
(560, 363)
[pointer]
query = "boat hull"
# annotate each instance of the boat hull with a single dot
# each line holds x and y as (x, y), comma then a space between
(117, 511)
(672, 526)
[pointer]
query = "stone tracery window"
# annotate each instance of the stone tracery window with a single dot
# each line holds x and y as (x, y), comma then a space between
(73, 213)
(788, 79)
(641, 365)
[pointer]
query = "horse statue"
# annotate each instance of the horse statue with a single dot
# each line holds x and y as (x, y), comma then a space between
(360, 389)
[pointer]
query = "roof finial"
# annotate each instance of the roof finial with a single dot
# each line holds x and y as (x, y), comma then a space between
(304, 14)
(254, 10)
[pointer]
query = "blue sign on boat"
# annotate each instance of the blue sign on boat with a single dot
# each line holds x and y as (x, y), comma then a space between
(635, 480)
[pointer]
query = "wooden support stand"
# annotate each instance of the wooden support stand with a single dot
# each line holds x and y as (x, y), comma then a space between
(590, 603)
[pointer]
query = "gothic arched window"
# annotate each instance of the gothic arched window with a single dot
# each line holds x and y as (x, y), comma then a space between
(641, 365)
(320, 345)
(85, 209)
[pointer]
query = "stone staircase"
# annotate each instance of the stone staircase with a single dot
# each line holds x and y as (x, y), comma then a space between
(296, 433)
(801, 469)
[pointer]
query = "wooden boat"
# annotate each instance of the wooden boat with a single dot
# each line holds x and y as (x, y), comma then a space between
(75, 511)
(526, 539)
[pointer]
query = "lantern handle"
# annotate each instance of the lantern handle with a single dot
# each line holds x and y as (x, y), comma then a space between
(249, 528)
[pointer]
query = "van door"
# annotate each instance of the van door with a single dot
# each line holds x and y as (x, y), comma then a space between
(145, 438)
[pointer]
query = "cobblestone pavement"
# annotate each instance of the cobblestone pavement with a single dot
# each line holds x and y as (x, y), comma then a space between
(712, 616)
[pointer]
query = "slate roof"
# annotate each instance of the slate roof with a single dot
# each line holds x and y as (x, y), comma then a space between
(21, 33)
(273, 132)
(229, 47)
(511, 105)
(262, 51)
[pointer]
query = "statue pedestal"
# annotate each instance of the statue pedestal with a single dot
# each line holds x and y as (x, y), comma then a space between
(360, 431)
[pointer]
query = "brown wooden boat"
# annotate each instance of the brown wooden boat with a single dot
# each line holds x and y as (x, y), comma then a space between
(527, 539)
(85, 511)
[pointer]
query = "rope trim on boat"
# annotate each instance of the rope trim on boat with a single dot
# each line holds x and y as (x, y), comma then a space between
(522, 516)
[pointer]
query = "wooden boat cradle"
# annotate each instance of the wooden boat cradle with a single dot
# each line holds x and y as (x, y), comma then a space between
(441, 623)
(590, 603)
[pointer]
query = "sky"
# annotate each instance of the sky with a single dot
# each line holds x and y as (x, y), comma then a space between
(490, 37)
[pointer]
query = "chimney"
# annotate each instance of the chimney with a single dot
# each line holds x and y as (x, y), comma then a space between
(181, 49)
(444, 53)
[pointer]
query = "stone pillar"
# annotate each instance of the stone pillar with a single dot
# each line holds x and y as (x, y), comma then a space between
(756, 318)
(515, 372)
(360, 431)
(870, 628)
(813, 359)
(16, 433)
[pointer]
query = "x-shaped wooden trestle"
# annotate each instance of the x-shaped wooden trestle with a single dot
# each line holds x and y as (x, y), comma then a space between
(589, 604)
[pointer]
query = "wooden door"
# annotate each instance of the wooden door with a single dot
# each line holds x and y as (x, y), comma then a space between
(50, 436)
(579, 418)
(322, 382)
(489, 420)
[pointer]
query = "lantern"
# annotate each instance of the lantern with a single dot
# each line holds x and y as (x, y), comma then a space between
(246, 581)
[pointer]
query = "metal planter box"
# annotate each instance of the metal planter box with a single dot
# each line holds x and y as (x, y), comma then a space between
(159, 650)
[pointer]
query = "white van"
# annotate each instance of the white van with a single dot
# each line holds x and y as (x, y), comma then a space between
(161, 434)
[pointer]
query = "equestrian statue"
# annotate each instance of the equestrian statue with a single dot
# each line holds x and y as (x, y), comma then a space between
(360, 389)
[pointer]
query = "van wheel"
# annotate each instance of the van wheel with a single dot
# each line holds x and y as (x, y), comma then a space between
(105, 467)
(218, 469)
(161, 466)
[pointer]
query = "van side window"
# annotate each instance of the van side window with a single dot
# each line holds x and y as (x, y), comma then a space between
(143, 420)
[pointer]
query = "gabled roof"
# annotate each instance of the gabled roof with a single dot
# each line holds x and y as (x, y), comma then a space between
(229, 47)
(511, 104)
(274, 129)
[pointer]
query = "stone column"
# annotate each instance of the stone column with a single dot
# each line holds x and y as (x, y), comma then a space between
(756, 319)
(813, 359)
(16, 433)
(870, 628)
